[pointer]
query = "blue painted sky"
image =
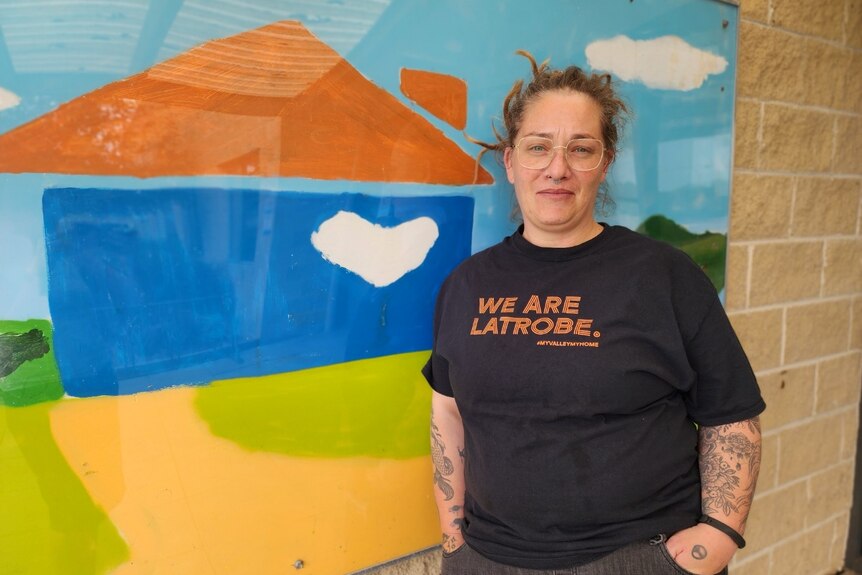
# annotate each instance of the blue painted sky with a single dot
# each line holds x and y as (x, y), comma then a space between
(675, 159)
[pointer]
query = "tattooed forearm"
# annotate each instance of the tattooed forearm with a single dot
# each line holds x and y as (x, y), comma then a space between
(729, 465)
(443, 466)
(448, 458)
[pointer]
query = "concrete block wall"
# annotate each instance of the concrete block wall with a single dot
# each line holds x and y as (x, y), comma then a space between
(794, 283)
(794, 288)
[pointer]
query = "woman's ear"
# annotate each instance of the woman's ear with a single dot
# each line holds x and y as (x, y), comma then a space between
(607, 166)
(507, 161)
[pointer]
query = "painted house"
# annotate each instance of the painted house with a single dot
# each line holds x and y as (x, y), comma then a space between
(156, 288)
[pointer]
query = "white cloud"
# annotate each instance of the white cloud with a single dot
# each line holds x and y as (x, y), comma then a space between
(8, 99)
(378, 255)
(666, 63)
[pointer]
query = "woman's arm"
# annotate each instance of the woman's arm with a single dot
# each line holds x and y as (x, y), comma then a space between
(447, 453)
(729, 459)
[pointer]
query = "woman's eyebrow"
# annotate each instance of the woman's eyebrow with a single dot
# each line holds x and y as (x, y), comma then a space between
(550, 136)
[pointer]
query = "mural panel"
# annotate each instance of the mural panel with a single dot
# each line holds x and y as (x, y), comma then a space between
(224, 225)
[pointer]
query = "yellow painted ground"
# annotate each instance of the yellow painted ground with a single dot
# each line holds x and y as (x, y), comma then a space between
(187, 502)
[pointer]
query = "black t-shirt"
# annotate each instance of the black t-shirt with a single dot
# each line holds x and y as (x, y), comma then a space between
(580, 374)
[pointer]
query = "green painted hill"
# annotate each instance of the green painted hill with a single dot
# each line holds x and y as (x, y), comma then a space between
(708, 249)
(28, 370)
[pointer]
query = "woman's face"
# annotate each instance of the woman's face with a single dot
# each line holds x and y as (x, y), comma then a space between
(557, 202)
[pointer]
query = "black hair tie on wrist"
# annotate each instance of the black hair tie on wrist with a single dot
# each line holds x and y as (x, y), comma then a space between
(724, 528)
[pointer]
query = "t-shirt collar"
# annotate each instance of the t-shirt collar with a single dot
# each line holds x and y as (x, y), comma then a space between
(533, 251)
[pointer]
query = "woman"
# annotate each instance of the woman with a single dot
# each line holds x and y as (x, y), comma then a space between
(593, 411)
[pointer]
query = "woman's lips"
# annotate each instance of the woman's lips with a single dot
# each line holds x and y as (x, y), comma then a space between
(556, 192)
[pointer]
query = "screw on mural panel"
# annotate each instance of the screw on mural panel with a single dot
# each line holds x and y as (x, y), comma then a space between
(725, 23)
(298, 564)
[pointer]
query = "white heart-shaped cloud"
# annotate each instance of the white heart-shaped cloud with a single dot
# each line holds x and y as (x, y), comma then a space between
(378, 255)
(8, 99)
(666, 63)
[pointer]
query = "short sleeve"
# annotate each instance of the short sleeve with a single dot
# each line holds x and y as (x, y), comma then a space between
(726, 389)
(436, 371)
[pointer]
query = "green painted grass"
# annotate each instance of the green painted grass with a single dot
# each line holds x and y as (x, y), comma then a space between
(36, 380)
(710, 253)
(708, 249)
(49, 525)
(373, 407)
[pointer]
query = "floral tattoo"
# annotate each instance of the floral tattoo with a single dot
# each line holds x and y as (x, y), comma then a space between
(724, 451)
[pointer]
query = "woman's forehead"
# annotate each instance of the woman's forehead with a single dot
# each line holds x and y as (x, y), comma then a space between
(567, 113)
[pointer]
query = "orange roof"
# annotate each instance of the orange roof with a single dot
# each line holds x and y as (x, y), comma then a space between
(274, 101)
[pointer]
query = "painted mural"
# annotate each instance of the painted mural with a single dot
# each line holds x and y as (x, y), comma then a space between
(223, 225)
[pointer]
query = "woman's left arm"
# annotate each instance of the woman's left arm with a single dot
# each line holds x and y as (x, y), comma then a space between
(729, 459)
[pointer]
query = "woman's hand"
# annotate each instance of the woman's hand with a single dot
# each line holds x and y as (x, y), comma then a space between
(701, 549)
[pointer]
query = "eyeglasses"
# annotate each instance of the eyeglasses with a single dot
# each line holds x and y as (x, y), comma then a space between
(537, 153)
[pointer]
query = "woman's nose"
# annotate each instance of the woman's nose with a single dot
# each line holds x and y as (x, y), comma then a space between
(559, 166)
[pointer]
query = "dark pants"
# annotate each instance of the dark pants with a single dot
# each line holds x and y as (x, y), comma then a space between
(642, 558)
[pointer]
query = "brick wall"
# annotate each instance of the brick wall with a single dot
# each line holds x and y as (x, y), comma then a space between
(794, 288)
(794, 273)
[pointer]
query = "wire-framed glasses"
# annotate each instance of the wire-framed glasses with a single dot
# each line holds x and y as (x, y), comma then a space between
(582, 154)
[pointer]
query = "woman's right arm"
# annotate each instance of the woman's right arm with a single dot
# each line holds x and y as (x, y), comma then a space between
(447, 452)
